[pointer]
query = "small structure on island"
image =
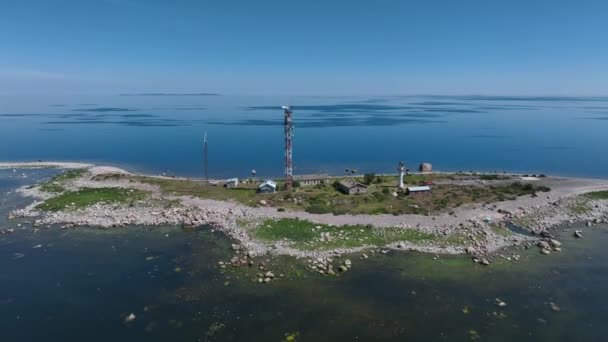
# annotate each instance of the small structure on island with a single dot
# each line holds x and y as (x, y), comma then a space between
(231, 183)
(418, 190)
(313, 179)
(268, 187)
(425, 167)
(350, 186)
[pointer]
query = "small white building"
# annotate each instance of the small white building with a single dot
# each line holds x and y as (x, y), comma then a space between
(268, 187)
(231, 183)
(417, 190)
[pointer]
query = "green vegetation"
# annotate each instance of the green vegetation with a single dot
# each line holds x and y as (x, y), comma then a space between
(580, 206)
(382, 196)
(492, 177)
(306, 235)
(56, 184)
(245, 193)
(500, 230)
(598, 195)
(89, 196)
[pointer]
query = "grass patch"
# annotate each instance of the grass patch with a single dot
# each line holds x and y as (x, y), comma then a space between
(307, 235)
(579, 207)
(90, 196)
(598, 195)
(325, 198)
(245, 193)
(459, 239)
(500, 230)
(56, 184)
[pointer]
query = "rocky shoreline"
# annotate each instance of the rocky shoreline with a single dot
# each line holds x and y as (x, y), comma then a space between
(476, 225)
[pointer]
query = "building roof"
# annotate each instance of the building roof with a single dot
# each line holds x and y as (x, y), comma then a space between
(269, 183)
(419, 188)
(351, 183)
(318, 176)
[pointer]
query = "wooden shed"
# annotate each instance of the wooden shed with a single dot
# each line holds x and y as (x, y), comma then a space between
(350, 186)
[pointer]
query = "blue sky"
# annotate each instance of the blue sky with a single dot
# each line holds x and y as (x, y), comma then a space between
(304, 47)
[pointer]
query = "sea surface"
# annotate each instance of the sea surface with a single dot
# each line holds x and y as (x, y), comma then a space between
(79, 284)
(164, 133)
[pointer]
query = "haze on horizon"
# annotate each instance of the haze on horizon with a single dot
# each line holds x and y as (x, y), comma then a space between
(307, 48)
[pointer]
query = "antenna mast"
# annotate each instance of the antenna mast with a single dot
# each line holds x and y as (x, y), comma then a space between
(288, 148)
(205, 161)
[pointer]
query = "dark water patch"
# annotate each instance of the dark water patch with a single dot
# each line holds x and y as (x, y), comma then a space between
(488, 136)
(518, 229)
(88, 104)
(526, 98)
(131, 123)
(452, 110)
(78, 122)
(374, 101)
(98, 115)
(332, 122)
(51, 129)
(435, 103)
(190, 108)
(152, 124)
(337, 108)
(172, 94)
(600, 118)
(138, 116)
(355, 115)
(105, 109)
(23, 115)
(507, 107)
(557, 147)
(57, 105)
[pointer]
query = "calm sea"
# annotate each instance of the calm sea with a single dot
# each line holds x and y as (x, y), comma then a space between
(565, 136)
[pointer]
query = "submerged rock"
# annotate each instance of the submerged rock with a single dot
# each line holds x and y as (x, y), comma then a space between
(500, 303)
(554, 307)
(130, 318)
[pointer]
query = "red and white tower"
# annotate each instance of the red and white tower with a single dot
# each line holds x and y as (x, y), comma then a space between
(288, 148)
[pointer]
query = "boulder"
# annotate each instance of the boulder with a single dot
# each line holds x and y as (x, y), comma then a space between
(471, 250)
(543, 244)
(554, 243)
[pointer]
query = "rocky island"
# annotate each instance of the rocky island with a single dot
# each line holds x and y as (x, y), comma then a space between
(473, 213)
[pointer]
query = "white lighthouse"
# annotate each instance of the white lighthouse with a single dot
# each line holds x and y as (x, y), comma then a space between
(402, 171)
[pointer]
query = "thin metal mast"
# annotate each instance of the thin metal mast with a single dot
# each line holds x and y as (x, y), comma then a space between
(288, 148)
(206, 162)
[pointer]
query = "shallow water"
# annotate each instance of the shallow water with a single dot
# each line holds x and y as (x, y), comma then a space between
(564, 136)
(79, 284)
